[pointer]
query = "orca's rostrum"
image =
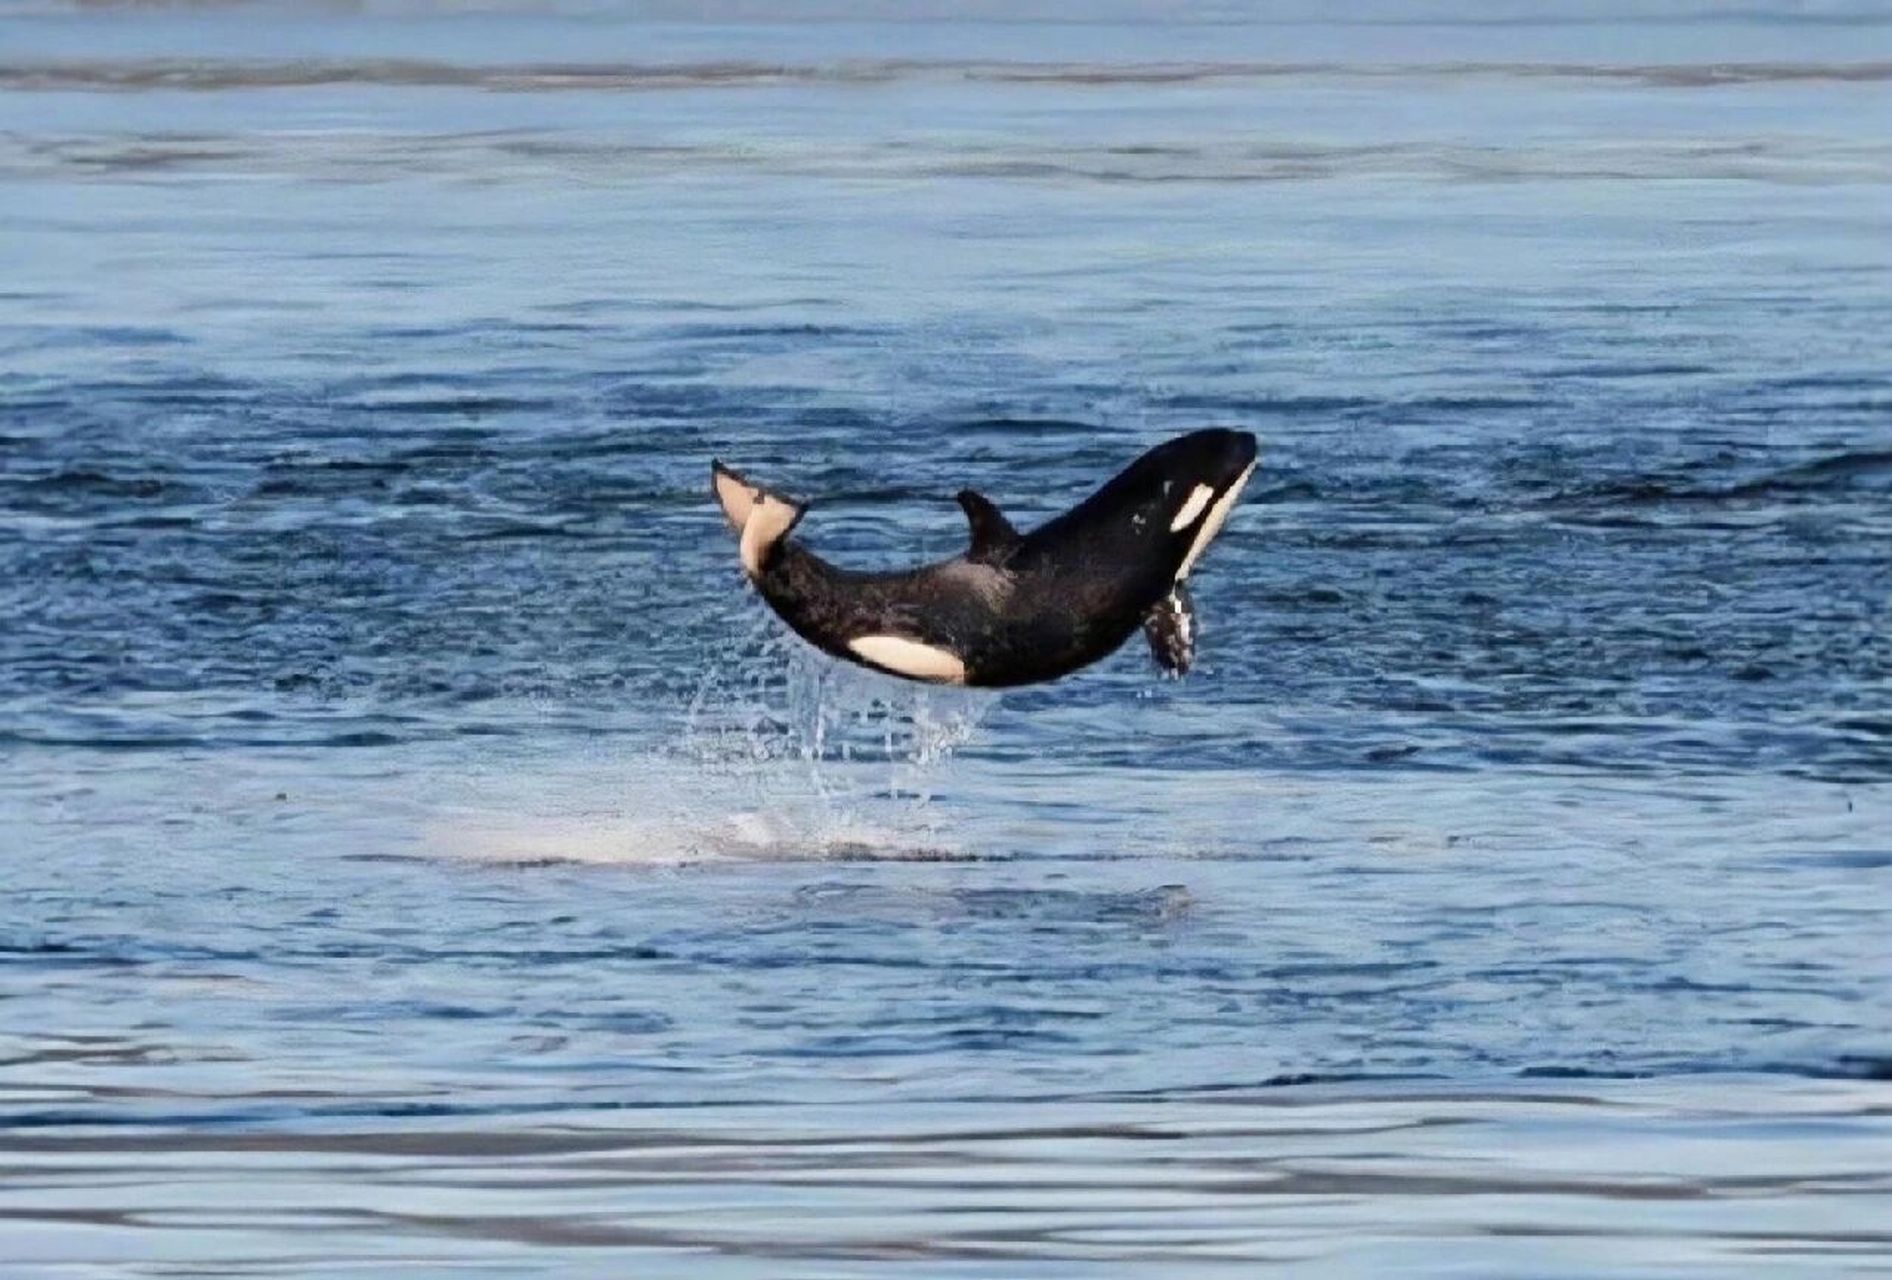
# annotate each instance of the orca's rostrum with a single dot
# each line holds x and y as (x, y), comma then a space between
(1015, 608)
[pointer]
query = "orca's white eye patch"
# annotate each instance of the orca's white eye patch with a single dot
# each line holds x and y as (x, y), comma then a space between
(910, 658)
(1191, 508)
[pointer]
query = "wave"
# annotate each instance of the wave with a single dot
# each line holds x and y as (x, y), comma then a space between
(523, 155)
(1867, 470)
(225, 74)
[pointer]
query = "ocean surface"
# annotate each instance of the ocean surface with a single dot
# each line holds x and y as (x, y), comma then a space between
(420, 854)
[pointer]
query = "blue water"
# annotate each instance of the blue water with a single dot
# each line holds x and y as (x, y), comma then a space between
(421, 852)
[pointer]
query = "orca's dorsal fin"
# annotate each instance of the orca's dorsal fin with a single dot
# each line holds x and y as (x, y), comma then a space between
(993, 537)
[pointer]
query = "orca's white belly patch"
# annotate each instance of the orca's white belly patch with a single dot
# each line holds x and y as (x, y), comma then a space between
(909, 658)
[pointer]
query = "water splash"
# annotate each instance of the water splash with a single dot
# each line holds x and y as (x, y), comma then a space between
(827, 755)
(780, 754)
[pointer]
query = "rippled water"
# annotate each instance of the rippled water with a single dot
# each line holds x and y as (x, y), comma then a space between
(421, 851)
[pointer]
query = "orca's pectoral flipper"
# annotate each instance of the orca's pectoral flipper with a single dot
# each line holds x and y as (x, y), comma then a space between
(1171, 628)
(993, 537)
(760, 517)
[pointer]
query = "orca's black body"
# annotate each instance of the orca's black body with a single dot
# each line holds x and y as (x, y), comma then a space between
(1015, 608)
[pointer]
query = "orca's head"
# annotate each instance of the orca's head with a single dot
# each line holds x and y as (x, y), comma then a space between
(1180, 493)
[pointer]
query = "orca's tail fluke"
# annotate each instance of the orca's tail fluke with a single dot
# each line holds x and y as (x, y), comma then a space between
(760, 517)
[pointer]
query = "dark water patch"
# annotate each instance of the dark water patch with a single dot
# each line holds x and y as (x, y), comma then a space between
(1267, 406)
(1828, 382)
(1841, 469)
(225, 74)
(497, 1143)
(1867, 469)
(189, 399)
(1474, 404)
(1843, 859)
(767, 332)
(471, 406)
(512, 532)
(111, 739)
(167, 388)
(24, 406)
(105, 741)
(1278, 1089)
(1283, 491)
(1163, 903)
(1621, 372)
(864, 851)
(355, 738)
(28, 338)
(379, 158)
(1009, 426)
(305, 466)
(46, 948)
(895, 1042)
(686, 400)
(85, 484)
(1861, 1067)
(212, 1119)
(423, 332)
(552, 326)
(422, 379)
(156, 155)
(454, 447)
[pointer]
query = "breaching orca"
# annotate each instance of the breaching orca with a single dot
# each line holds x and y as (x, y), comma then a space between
(1016, 608)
